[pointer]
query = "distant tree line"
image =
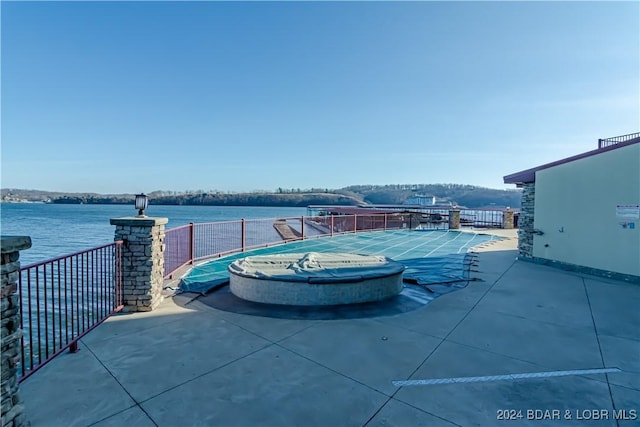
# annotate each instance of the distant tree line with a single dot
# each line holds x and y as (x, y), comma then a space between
(93, 200)
(464, 195)
(255, 199)
(460, 194)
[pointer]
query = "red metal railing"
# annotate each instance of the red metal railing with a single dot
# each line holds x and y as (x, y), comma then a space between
(64, 298)
(178, 247)
(218, 238)
(187, 244)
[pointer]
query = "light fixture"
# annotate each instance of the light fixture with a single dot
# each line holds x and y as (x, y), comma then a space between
(142, 201)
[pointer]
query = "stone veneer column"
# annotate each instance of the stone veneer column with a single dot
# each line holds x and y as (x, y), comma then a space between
(142, 261)
(507, 219)
(525, 221)
(12, 408)
(454, 219)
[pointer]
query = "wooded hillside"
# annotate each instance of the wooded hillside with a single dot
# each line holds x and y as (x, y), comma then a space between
(463, 195)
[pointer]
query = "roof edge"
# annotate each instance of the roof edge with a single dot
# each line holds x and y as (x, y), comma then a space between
(529, 175)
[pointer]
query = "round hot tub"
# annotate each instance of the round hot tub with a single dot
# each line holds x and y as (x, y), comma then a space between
(315, 278)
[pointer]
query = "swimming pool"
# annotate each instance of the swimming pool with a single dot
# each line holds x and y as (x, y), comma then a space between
(429, 256)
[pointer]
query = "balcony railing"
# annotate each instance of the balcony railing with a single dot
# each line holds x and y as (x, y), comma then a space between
(64, 298)
(617, 140)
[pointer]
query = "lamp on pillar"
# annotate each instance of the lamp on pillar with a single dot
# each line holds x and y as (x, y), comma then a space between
(142, 201)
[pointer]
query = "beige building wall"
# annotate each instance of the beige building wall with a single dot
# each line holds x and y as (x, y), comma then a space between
(575, 208)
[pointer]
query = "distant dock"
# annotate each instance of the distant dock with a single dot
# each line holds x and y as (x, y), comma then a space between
(285, 230)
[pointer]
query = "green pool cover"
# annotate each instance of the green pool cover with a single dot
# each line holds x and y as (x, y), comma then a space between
(431, 257)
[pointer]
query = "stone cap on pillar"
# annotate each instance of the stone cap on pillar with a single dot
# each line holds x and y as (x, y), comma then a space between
(136, 221)
(10, 244)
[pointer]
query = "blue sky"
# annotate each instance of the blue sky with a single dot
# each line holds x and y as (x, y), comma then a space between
(115, 97)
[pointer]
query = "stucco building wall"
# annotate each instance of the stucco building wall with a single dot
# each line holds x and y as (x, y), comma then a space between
(576, 210)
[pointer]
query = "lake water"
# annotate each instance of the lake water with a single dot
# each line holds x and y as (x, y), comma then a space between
(57, 230)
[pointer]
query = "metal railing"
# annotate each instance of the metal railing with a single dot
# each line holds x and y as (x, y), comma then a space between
(484, 218)
(187, 244)
(617, 139)
(178, 247)
(64, 298)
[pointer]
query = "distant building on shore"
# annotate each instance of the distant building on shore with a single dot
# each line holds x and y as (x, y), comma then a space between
(421, 200)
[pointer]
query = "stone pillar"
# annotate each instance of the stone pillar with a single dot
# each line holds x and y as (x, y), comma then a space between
(525, 221)
(12, 408)
(507, 219)
(142, 261)
(454, 219)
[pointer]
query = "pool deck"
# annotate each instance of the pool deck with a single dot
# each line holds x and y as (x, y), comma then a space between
(187, 364)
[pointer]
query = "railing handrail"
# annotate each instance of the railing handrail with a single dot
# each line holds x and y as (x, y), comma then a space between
(61, 257)
(179, 227)
(229, 221)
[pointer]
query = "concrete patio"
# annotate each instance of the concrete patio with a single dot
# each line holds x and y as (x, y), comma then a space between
(187, 364)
